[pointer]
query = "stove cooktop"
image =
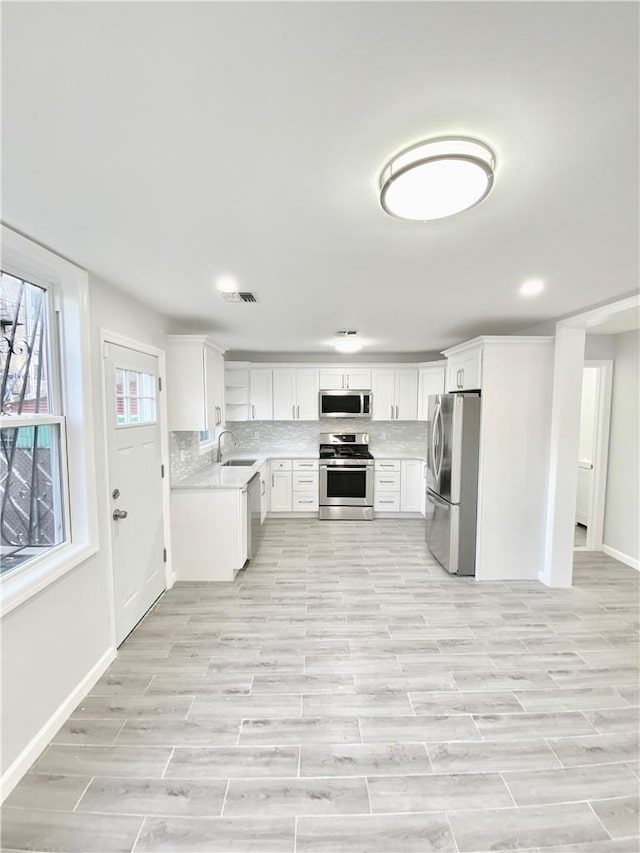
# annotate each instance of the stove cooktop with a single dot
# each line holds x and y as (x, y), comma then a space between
(331, 452)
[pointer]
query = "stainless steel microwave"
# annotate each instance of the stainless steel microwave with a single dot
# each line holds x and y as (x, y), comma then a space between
(345, 404)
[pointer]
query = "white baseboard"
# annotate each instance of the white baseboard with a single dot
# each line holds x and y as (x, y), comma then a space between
(32, 750)
(623, 558)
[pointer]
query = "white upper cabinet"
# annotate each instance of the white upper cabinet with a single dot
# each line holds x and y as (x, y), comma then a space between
(295, 394)
(464, 370)
(307, 388)
(338, 379)
(360, 380)
(261, 394)
(332, 380)
(431, 379)
(195, 383)
(395, 394)
(284, 394)
(407, 394)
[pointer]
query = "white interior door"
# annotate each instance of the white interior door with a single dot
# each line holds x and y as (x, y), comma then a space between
(587, 445)
(135, 483)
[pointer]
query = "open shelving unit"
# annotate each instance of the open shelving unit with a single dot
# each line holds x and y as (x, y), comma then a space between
(236, 389)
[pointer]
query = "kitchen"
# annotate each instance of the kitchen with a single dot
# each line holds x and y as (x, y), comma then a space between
(343, 240)
(370, 427)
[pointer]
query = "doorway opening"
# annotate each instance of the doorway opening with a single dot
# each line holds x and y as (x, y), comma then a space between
(593, 450)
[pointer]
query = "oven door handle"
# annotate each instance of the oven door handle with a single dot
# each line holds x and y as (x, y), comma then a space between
(345, 468)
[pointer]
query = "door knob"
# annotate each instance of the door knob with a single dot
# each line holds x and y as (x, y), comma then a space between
(119, 513)
(115, 494)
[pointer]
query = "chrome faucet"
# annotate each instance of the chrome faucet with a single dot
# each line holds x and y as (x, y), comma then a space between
(224, 432)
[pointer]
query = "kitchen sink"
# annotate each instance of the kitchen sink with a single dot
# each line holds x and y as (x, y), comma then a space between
(239, 463)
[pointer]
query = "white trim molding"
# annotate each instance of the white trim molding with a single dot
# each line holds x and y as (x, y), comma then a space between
(565, 435)
(26, 259)
(621, 557)
(49, 730)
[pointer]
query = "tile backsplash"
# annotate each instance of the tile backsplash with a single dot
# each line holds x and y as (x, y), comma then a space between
(185, 457)
(386, 438)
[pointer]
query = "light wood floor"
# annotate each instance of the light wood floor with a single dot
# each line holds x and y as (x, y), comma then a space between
(346, 694)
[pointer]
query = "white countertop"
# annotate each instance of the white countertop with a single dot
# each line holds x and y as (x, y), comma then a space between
(218, 476)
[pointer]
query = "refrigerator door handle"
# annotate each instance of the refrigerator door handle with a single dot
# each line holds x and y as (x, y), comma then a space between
(437, 463)
(434, 428)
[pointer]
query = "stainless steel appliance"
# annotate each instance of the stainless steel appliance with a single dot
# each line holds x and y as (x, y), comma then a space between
(346, 476)
(254, 516)
(452, 480)
(345, 404)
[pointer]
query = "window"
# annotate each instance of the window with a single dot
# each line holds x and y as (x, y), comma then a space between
(32, 447)
(135, 397)
(48, 496)
(206, 438)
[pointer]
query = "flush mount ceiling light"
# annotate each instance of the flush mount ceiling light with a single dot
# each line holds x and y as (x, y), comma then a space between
(348, 347)
(532, 287)
(436, 178)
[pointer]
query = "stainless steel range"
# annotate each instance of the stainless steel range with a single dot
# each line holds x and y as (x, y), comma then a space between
(346, 476)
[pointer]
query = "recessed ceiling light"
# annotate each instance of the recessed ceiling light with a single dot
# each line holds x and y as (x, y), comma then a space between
(227, 284)
(436, 178)
(348, 346)
(532, 287)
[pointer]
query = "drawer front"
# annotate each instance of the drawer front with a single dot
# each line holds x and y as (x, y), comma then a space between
(305, 501)
(305, 464)
(280, 464)
(387, 502)
(305, 481)
(387, 482)
(388, 465)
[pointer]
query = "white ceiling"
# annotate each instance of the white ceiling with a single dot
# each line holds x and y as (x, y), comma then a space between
(161, 145)
(623, 321)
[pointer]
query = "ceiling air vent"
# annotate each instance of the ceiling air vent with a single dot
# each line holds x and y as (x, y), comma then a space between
(238, 296)
(345, 333)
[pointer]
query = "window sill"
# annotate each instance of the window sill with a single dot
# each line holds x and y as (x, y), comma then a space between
(206, 447)
(18, 588)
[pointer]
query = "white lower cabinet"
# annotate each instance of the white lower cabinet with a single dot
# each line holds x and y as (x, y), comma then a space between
(281, 492)
(294, 485)
(208, 533)
(412, 481)
(398, 485)
(305, 485)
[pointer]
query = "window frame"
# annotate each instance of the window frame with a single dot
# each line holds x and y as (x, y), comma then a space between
(207, 445)
(69, 354)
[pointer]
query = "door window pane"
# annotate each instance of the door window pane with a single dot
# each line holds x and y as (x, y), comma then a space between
(32, 517)
(135, 397)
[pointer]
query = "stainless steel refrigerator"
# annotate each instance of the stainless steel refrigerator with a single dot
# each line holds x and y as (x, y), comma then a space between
(452, 480)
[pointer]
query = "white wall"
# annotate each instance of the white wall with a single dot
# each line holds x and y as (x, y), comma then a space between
(54, 640)
(622, 506)
(599, 347)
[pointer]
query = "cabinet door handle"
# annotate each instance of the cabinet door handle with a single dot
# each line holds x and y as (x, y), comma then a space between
(390, 482)
(253, 411)
(397, 413)
(305, 502)
(386, 502)
(462, 377)
(347, 378)
(273, 484)
(391, 412)
(293, 408)
(298, 412)
(306, 481)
